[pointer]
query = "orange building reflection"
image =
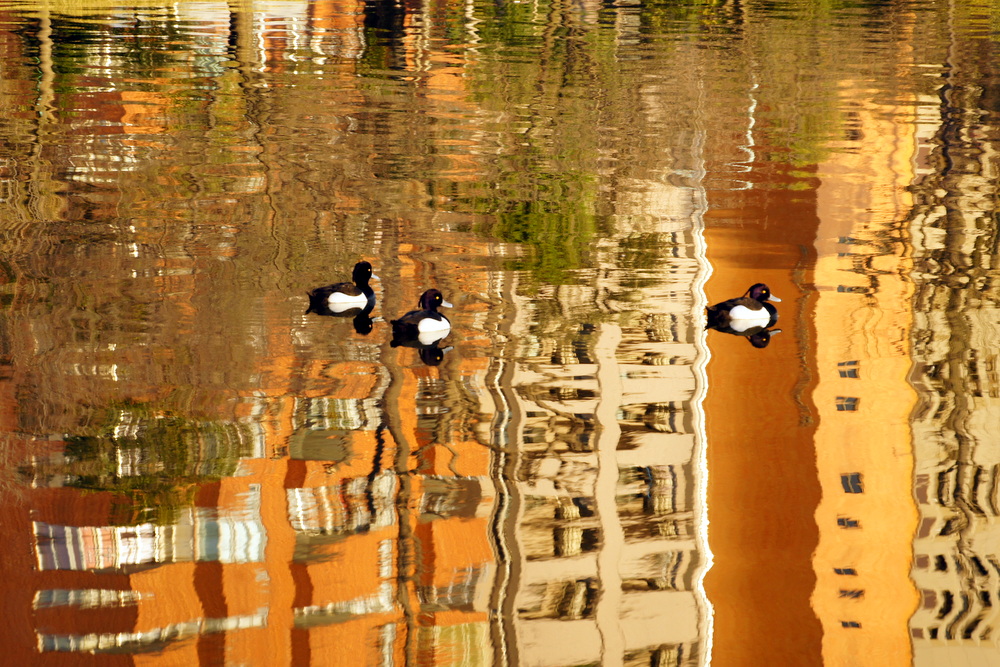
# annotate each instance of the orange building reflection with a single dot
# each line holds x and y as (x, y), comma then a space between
(763, 487)
(365, 535)
(810, 444)
(867, 516)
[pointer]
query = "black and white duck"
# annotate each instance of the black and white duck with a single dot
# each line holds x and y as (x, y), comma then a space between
(425, 325)
(345, 298)
(743, 314)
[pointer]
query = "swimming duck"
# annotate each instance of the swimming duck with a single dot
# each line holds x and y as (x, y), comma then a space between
(425, 326)
(345, 298)
(750, 311)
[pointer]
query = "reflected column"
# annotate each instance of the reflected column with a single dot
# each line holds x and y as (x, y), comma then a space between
(609, 605)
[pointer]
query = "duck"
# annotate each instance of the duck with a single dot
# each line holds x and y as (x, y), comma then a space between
(345, 298)
(424, 326)
(752, 311)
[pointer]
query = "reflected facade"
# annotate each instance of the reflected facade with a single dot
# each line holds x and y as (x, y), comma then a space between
(953, 225)
(863, 398)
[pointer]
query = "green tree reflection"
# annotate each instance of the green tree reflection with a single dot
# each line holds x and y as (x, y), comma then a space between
(154, 462)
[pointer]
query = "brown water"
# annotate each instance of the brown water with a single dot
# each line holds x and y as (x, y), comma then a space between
(195, 470)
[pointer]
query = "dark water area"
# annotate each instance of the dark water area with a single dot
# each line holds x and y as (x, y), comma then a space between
(200, 463)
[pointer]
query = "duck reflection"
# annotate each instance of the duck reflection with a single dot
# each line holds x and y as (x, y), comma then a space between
(431, 355)
(424, 328)
(355, 299)
(751, 315)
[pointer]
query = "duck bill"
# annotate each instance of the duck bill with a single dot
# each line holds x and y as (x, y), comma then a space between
(773, 298)
(446, 304)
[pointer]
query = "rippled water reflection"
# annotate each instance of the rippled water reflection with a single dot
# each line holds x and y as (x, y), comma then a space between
(199, 468)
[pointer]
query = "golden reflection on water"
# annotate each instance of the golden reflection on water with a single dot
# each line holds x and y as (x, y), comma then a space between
(198, 470)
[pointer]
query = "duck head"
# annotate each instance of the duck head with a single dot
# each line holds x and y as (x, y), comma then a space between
(362, 273)
(431, 299)
(761, 292)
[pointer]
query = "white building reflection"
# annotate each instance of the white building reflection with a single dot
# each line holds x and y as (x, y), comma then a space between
(150, 639)
(198, 535)
(605, 519)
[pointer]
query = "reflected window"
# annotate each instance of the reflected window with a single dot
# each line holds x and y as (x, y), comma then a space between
(573, 540)
(353, 505)
(663, 417)
(667, 571)
(849, 571)
(321, 413)
(665, 328)
(153, 639)
(564, 600)
(847, 522)
(577, 508)
(562, 394)
(947, 605)
(664, 655)
(444, 497)
(850, 624)
(851, 482)
(847, 403)
(848, 369)
(86, 598)
(853, 594)
(459, 593)
(929, 599)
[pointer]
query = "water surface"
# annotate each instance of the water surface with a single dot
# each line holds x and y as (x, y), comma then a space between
(198, 471)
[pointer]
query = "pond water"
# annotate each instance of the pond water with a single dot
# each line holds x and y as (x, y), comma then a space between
(199, 468)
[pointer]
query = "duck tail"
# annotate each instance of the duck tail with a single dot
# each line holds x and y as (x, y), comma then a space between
(716, 318)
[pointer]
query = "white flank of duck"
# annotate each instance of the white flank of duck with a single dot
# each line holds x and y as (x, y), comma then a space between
(340, 302)
(742, 318)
